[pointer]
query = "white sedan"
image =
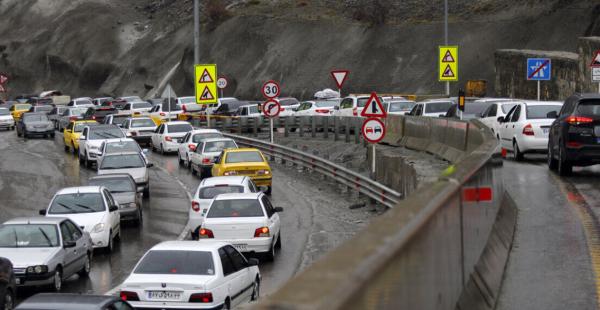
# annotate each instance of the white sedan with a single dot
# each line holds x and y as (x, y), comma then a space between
(136, 108)
(248, 221)
(192, 275)
(526, 126)
(166, 137)
(316, 107)
(202, 159)
(499, 107)
(188, 143)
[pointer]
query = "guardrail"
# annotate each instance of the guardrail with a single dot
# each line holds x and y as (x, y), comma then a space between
(354, 180)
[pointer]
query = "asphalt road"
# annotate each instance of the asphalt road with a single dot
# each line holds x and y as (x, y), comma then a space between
(556, 246)
(316, 218)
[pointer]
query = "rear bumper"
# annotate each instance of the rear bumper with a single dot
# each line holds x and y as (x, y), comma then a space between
(142, 139)
(142, 305)
(584, 156)
(261, 181)
(528, 144)
(254, 245)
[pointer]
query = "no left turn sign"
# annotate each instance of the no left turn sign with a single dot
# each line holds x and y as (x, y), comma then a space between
(271, 108)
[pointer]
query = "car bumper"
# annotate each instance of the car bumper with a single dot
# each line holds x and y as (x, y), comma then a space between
(254, 245)
(7, 125)
(37, 131)
(24, 280)
(261, 181)
(587, 155)
(127, 212)
(142, 139)
(533, 144)
(170, 146)
(100, 240)
(141, 305)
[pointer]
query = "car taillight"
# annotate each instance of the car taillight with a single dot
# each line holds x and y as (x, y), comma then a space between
(192, 147)
(528, 130)
(162, 114)
(134, 133)
(282, 109)
(354, 111)
(573, 144)
(262, 232)
(201, 297)
(196, 206)
(167, 138)
(206, 160)
(93, 117)
(129, 296)
(205, 233)
(576, 120)
(73, 118)
(263, 172)
(324, 111)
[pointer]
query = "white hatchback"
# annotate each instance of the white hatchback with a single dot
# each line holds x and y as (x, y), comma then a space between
(248, 221)
(166, 137)
(192, 275)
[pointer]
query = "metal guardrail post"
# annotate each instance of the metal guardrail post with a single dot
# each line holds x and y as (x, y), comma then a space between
(255, 121)
(301, 126)
(286, 127)
(347, 129)
(313, 126)
(336, 128)
(325, 127)
(357, 130)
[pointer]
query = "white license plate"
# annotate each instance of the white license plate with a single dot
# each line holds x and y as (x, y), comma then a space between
(164, 295)
(545, 130)
(240, 247)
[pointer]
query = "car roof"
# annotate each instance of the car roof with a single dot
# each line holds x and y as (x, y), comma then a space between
(205, 245)
(36, 220)
(237, 180)
(204, 130)
(177, 123)
(243, 149)
(111, 176)
(106, 141)
(217, 139)
(587, 95)
(235, 196)
(79, 189)
(534, 103)
(66, 301)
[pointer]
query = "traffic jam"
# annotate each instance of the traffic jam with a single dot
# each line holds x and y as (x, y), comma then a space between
(234, 228)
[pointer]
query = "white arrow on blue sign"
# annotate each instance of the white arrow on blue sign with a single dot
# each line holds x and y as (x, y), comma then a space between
(539, 69)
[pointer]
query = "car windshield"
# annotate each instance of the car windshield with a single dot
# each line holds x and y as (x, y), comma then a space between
(115, 185)
(176, 262)
(187, 100)
(131, 98)
(79, 126)
(28, 236)
(35, 118)
(242, 157)
(78, 111)
(23, 106)
(141, 105)
(218, 146)
(398, 106)
(173, 128)
(437, 107)
(507, 106)
(475, 108)
(325, 104)
(589, 107)
(4, 111)
(235, 208)
(209, 135)
(124, 161)
(118, 119)
(252, 109)
(213, 191)
(142, 122)
(77, 203)
(83, 102)
(106, 133)
(122, 147)
(540, 111)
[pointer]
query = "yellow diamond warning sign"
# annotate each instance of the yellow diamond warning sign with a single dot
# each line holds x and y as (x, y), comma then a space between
(205, 83)
(448, 63)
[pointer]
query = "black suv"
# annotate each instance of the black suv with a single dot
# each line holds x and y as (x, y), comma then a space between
(8, 286)
(574, 138)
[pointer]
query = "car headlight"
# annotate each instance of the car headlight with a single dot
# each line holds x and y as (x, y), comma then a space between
(98, 228)
(132, 205)
(37, 269)
(230, 173)
(263, 172)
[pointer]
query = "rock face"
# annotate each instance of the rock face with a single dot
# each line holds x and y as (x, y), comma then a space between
(98, 47)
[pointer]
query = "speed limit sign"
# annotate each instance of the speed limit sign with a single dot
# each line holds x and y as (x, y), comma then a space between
(222, 82)
(271, 89)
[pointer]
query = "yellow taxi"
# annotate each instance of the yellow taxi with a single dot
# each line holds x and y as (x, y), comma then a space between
(18, 109)
(72, 133)
(245, 161)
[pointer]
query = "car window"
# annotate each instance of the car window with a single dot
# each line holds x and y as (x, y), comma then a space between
(437, 107)
(252, 186)
(510, 113)
(226, 262)
(235, 208)
(77, 203)
(174, 128)
(244, 156)
(66, 232)
(212, 191)
(268, 206)
(238, 260)
(540, 111)
(492, 111)
(106, 133)
(35, 118)
(199, 147)
(516, 114)
(79, 126)
(70, 126)
(176, 262)
(122, 147)
(346, 103)
(115, 185)
(109, 198)
(162, 129)
(73, 229)
(590, 107)
(141, 105)
(203, 136)
(122, 161)
(506, 107)
(218, 146)
(28, 236)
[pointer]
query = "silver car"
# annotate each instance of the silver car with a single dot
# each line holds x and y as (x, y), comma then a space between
(70, 115)
(124, 190)
(45, 250)
(132, 163)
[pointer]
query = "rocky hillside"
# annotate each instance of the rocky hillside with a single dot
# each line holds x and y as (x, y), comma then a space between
(97, 47)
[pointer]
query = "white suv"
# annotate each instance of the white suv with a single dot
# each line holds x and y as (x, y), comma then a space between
(92, 137)
(352, 105)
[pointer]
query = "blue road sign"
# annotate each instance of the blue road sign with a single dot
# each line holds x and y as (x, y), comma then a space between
(539, 69)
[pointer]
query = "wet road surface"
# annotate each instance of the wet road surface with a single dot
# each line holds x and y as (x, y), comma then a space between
(316, 218)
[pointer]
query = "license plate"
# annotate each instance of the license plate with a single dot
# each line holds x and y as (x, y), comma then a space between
(39, 126)
(240, 247)
(545, 130)
(164, 295)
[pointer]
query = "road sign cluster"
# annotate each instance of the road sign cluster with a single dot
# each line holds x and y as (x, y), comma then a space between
(3, 81)
(373, 129)
(271, 108)
(595, 67)
(448, 63)
(206, 83)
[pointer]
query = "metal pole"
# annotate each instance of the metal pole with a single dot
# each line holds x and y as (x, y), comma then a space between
(599, 87)
(446, 39)
(340, 92)
(538, 90)
(196, 31)
(271, 126)
(373, 162)
(221, 92)
(169, 105)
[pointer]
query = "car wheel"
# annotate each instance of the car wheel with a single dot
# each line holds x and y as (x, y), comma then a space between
(517, 155)
(271, 253)
(9, 300)
(147, 191)
(111, 243)
(88, 163)
(269, 189)
(180, 159)
(564, 167)
(25, 134)
(194, 172)
(80, 159)
(52, 135)
(188, 164)
(227, 304)
(162, 149)
(278, 244)
(552, 162)
(140, 218)
(153, 148)
(87, 266)
(13, 127)
(255, 290)
(57, 283)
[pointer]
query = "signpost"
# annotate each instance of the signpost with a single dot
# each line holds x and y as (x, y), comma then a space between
(448, 65)
(271, 89)
(595, 68)
(222, 84)
(339, 76)
(271, 109)
(539, 69)
(373, 129)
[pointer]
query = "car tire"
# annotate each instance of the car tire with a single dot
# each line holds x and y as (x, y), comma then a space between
(180, 159)
(88, 163)
(271, 254)
(269, 190)
(255, 290)
(140, 218)
(278, 243)
(188, 164)
(87, 266)
(25, 135)
(153, 148)
(552, 162)
(111, 244)
(517, 154)
(194, 172)
(57, 283)
(147, 191)
(226, 304)
(52, 135)
(80, 159)
(564, 167)
(13, 127)
(9, 300)
(67, 148)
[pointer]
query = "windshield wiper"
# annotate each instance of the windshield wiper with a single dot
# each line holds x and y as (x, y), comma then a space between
(84, 207)
(45, 236)
(65, 206)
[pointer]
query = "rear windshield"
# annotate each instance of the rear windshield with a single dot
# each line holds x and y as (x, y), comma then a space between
(35, 118)
(401, 106)
(122, 147)
(116, 185)
(44, 108)
(118, 119)
(78, 111)
(141, 105)
(540, 111)
(83, 102)
(22, 106)
(242, 157)
(437, 107)
(187, 100)
(476, 108)
(122, 162)
(589, 107)
(106, 133)
(218, 146)
(235, 208)
(142, 122)
(325, 104)
(202, 136)
(179, 128)
(77, 203)
(212, 192)
(176, 262)
(4, 111)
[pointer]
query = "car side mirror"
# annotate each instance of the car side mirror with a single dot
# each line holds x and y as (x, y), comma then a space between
(500, 119)
(145, 151)
(113, 208)
(69, 244)
(42, 212)
(552, 114)
(82, 137)
(253, 261)
(149, 165)
(278, 209)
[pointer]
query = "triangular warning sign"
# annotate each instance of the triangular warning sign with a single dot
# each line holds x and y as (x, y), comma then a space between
(448, 57)
(206, 94)
(448, 73)
(596, 60)
(205, 78)
(340, 77)
(373, 108)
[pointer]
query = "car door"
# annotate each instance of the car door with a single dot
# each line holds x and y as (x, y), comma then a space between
(114, 216)
(243, 286)
(216, 169)
(273, 218)
(81, 244)
(156, 135)
(70, 253)
(556, 129)
(230, 276)
(503, 128)
(82, 140)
